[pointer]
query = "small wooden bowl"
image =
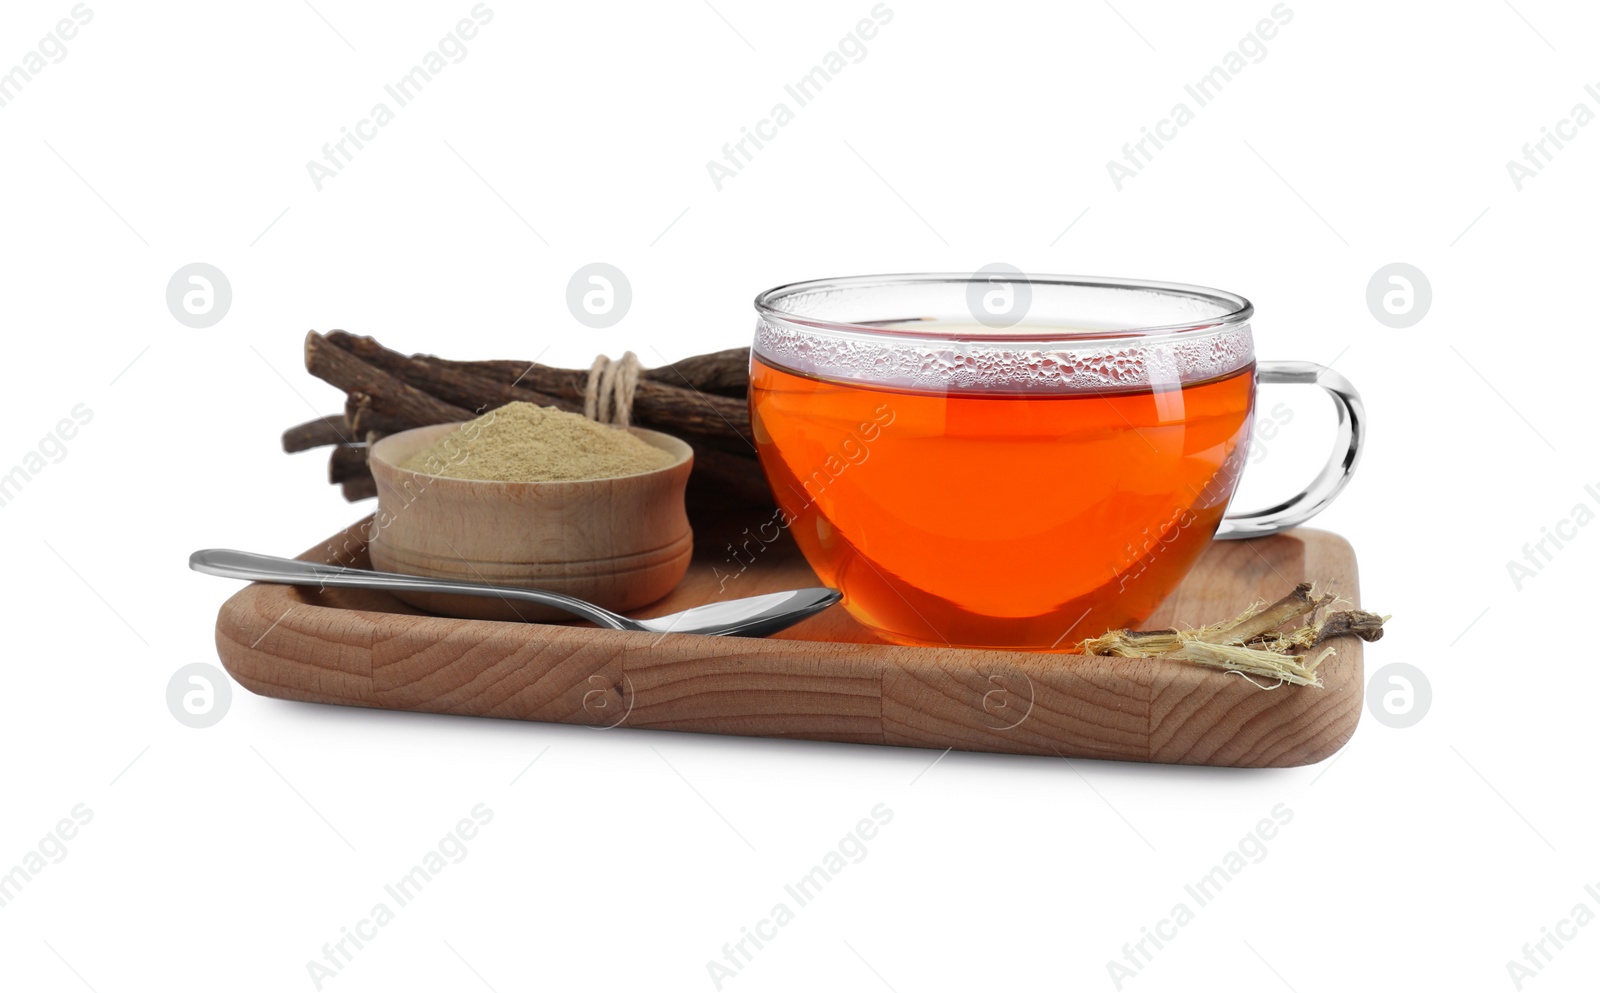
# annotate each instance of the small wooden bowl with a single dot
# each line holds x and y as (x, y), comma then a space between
(620, 543)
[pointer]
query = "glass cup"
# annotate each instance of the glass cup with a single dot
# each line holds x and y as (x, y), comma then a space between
(997, 460)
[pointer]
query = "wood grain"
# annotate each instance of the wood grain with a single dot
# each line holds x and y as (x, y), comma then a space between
(827, 678)
(619, 542)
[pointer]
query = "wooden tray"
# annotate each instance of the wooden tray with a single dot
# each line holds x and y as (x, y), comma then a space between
(827, 678)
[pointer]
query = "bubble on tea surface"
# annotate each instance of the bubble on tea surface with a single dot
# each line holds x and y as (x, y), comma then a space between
(1055, 367)
(922, 337)
(1399, 295)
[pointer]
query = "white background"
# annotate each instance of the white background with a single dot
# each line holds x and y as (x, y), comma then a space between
(225, 858)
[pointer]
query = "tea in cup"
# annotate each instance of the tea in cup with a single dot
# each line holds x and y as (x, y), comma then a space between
(1019, 477)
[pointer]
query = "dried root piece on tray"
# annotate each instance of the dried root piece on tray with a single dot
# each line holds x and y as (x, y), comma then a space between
(1253, 643)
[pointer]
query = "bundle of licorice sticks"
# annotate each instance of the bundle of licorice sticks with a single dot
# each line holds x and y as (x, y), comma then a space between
(700, 399)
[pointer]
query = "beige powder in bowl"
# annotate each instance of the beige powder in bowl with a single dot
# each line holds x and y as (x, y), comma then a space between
(526, 443)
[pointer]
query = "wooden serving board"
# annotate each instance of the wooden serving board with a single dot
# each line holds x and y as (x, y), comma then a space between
(827, 678)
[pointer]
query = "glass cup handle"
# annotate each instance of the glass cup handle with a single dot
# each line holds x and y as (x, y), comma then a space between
(1346, 452)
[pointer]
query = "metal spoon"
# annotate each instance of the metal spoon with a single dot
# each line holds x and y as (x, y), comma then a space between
(753, 617)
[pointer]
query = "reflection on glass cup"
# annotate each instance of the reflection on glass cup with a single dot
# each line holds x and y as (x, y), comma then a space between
(1007, 461)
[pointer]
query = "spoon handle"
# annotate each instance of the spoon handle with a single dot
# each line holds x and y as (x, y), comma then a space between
(297, 572)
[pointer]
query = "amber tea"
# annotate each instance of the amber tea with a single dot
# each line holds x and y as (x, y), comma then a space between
(989, 519)
(1028, 486)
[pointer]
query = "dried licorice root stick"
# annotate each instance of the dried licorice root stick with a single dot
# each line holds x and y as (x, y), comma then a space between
(667, 400)
(1251, 643)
